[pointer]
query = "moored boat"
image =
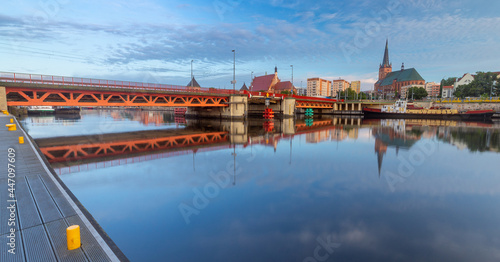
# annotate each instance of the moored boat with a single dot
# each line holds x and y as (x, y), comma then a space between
(400, 109)
(40, 110)
(67, 110)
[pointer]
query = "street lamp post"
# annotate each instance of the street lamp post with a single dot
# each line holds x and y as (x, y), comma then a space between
(291, 90)
(491, 90)
(192, 73)
(234, 71)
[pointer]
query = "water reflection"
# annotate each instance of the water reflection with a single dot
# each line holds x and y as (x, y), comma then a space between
(209, 135)
(290, 189)
(100, 121)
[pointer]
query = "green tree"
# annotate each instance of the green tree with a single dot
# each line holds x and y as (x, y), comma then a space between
(351, 94)
(416, 92)
(496, 87)
(481, 85)
(460, 92)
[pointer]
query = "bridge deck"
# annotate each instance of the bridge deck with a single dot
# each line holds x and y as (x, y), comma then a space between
(43, 209)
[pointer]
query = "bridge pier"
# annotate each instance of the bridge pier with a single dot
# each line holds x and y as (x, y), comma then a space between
(237, 110)
(3, 98)
(288, 107)
(282, 108)
(343, 108)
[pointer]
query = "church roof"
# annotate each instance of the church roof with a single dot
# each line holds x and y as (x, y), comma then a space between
(385, 62)
(260, 83)
(283, 86)
(244, 87)
(401, 76)
(195, 84)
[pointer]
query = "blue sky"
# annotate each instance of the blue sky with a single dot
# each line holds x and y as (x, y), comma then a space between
(155, 41)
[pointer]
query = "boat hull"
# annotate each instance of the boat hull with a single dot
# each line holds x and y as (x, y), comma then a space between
(67, 110)
(40, 110)
(475, 115)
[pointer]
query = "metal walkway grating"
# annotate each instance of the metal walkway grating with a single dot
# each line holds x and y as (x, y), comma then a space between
(43, 210)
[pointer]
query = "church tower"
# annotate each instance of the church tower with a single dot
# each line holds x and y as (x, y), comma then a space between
(386, 67)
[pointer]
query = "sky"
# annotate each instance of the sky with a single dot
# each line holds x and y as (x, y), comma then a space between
(155, 41)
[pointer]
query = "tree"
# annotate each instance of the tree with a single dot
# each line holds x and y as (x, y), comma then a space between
(481, 85)
(460, 92)
(286, 92)
(351, 94)
(416, 92)
(496, 87)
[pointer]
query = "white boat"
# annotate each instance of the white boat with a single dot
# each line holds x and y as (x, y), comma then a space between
(41, 110)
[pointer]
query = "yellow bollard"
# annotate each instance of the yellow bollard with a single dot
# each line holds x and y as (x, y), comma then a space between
(11, 127)
(21, 140)
(73, 237)
(12, 120)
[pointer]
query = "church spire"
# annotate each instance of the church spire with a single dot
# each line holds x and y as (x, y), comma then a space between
(386, 63)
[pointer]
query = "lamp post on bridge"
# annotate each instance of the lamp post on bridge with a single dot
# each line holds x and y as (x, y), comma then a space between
(234, 71)
(192, 73)
(291, 89)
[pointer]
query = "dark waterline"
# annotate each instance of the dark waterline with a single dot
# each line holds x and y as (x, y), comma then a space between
(330, 190)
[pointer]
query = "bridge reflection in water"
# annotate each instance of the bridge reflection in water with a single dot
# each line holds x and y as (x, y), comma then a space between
(82, 153)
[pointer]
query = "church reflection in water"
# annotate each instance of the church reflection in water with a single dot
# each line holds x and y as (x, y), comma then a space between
(194, 136)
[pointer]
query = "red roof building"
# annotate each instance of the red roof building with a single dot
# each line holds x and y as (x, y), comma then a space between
(263, 83)
(283, 86)
(270, 84)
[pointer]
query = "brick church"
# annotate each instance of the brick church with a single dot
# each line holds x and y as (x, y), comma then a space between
(391, 83)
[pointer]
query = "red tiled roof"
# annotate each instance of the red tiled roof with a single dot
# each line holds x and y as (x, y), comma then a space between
(286, 85)
(261, 83)
(447, 86)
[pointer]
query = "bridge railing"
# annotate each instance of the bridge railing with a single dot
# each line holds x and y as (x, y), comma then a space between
(89, 82)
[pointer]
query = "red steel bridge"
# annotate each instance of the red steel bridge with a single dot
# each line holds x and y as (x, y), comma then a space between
(45, 90)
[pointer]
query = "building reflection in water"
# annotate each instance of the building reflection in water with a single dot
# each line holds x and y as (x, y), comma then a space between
(70, 154)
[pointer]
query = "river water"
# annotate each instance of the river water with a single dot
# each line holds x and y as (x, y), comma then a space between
(169, 189)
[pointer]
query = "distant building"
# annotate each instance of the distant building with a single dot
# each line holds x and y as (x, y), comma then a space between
(270, 84)
(301, 91)
(389, 82)
(464, 80)
(447, 92)
(404, 90)
(244, 87)
(193, 84)
(432, 89)
(318, 87)
(283, 86)
(356, 86)
(339, 85)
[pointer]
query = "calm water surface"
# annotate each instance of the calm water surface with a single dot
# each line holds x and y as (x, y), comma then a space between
(326, 190)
